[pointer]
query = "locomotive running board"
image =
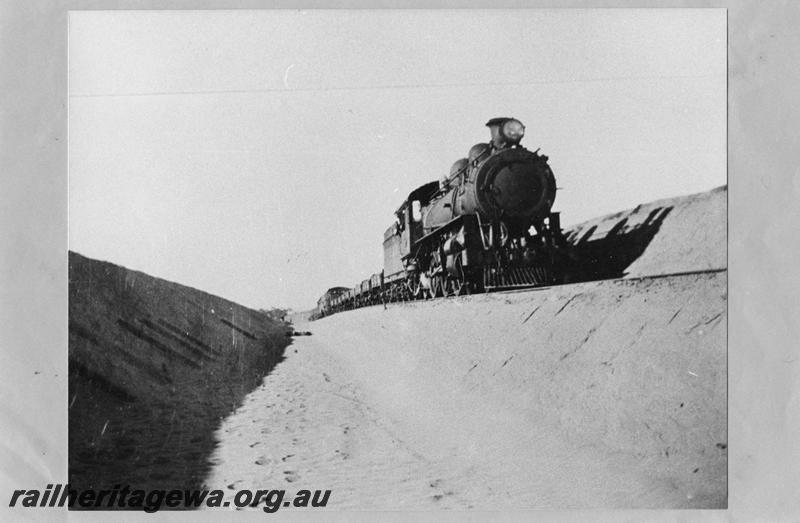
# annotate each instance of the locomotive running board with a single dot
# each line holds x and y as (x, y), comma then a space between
(515, 277)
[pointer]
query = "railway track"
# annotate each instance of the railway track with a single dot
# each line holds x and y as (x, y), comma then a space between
(636, 278)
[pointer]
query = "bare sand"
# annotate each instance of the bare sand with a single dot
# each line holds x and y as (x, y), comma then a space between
(603, 394)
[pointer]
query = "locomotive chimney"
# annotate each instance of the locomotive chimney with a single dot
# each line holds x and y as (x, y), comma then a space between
(494, 125)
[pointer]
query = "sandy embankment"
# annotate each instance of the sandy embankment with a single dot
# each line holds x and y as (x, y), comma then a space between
(605, 394)
(599, 394)
(153, 367)
(673, 235)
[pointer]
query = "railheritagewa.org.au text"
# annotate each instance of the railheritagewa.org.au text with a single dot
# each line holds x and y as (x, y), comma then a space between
(127, 498)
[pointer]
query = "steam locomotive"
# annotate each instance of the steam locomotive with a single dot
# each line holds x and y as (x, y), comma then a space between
(485, 226)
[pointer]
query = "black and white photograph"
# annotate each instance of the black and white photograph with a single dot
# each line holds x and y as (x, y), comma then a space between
(462, 263)
(399, 260)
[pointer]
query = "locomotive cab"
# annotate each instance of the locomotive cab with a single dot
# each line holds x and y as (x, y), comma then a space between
(399, 239)
(412, 210)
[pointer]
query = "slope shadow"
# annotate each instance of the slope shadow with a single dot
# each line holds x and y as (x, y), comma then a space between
(608, 256)
(144, 402)
(147, 443)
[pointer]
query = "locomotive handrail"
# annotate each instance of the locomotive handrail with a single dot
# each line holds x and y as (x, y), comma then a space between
(483, 238)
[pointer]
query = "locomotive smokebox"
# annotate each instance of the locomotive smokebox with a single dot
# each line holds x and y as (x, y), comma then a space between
(501, 181)
(514, 183)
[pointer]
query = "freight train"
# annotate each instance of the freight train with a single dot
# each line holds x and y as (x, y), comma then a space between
(486, 225)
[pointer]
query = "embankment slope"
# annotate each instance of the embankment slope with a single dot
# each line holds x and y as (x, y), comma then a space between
(682, 234)
(153, 366)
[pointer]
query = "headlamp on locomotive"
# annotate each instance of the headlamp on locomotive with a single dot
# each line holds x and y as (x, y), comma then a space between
(505, 131)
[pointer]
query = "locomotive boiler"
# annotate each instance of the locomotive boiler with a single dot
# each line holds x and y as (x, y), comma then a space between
(486, 225)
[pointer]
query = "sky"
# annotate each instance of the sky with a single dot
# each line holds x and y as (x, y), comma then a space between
(260, 155)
